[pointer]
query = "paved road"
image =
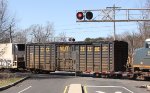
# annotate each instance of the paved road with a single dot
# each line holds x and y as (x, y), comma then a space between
(58, 84)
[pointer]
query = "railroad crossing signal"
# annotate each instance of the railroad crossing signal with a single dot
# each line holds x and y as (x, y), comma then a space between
(84, 15)
(112, 14)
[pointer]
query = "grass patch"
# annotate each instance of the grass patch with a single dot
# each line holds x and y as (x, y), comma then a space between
(4, 82)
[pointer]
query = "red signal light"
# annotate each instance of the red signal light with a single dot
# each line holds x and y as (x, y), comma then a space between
(80, 15)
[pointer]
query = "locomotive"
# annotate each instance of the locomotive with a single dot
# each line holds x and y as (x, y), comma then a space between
(141, 61)
(141, 58)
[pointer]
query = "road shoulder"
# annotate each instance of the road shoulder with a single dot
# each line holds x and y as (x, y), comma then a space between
(13, 84)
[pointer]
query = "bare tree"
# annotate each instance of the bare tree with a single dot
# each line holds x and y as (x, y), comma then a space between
(62, 37)
(21, 36)
(6, 22)
(41, 34)
(144, 27)
(134, 40)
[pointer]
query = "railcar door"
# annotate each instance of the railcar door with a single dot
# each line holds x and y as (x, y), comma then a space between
(64, 57)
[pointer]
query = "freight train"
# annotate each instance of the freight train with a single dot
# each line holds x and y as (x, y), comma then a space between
(102, 59)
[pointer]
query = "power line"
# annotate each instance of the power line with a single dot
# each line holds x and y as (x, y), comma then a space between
(91, 31)
(117, 1)
(68, 25)
(80, 28)
(78, 24)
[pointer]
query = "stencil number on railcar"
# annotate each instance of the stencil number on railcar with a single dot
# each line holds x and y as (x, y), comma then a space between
(105, 48)
(82, 48)
(89, 48)
(97, 49)
(64, 48)
(42, 49)
(47, 49)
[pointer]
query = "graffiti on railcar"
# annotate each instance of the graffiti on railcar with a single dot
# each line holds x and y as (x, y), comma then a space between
(5, 63)
(2, 52)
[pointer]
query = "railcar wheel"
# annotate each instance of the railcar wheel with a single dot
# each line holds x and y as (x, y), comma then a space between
(134, 77)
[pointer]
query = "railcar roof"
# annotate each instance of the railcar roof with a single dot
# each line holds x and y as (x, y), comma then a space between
(77, 43)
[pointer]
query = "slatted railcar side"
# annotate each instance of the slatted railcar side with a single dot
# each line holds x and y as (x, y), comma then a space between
(100, 57)
(40, 57)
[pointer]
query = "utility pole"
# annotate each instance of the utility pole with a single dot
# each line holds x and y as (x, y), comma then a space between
(114, 23)
(10, 34)
(114, 18)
